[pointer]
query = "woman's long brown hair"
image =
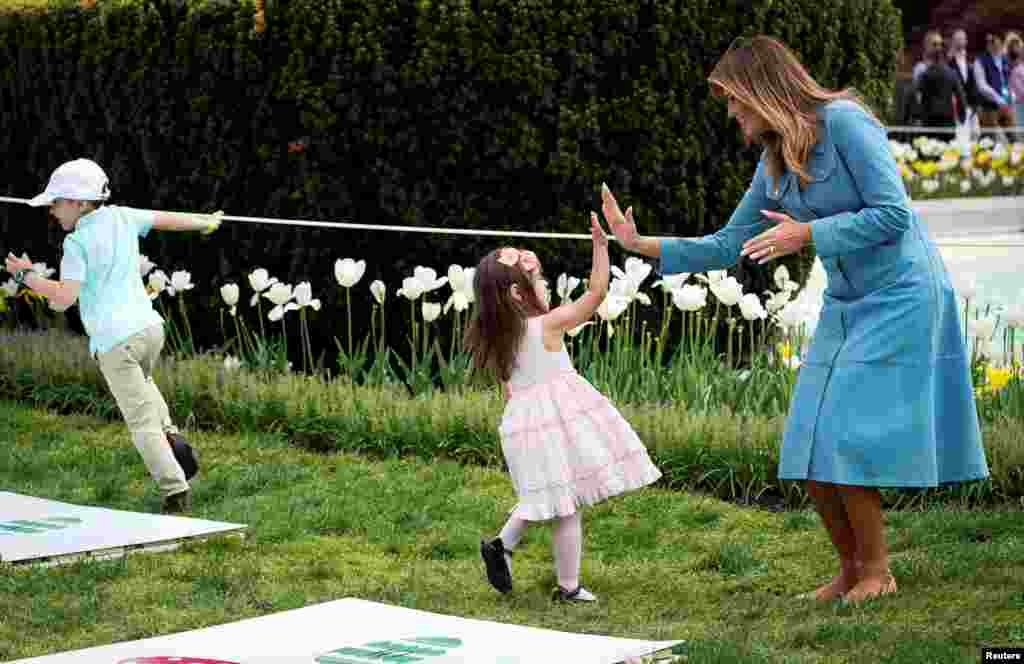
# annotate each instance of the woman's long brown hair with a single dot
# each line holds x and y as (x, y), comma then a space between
(498, 323)
(761, 73)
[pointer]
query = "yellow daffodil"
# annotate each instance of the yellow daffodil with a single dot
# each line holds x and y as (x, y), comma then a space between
(983, 157)
(926, 168)
(905, 171)
(997, 378)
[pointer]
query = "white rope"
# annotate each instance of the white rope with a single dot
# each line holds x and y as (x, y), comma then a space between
(474, 231)
(379, 227)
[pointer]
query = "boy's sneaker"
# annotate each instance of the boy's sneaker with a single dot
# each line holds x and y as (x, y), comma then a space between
(581, 594)
(496, 560)
(177, 503)
(184, 454)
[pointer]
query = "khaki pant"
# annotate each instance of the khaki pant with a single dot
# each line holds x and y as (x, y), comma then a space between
(128, 369)
(1002, 117)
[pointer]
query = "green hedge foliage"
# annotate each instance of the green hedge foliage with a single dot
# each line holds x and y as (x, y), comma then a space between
(484, 114)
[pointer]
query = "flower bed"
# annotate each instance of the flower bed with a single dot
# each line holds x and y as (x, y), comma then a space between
(938, 169)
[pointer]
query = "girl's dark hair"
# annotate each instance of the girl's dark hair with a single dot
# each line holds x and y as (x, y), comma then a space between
(496, 328)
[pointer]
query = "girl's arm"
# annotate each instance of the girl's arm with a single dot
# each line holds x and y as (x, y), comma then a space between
(571, 314)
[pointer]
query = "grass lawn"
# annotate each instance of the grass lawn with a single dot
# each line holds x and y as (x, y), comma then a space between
(666, 565)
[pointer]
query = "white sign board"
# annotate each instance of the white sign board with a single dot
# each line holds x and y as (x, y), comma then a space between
(355, 631)
(36, 530)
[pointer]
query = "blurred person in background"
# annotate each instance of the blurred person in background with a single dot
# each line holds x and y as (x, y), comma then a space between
(992, 73)
(940, 96)
(964, 69)
(1015, 56)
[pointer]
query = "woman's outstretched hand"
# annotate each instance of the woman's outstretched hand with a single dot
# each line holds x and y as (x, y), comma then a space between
(787, 237)
(622, 225)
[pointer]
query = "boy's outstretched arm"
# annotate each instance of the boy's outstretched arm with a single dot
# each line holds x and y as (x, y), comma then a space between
(184, 221)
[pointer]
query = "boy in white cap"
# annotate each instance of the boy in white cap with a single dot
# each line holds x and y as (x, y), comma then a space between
(100, 270)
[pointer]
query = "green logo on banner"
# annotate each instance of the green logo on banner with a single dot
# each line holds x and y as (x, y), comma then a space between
(399, 651)
(36, 526)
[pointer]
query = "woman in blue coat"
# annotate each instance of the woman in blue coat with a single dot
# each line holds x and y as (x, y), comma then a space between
(884, 396)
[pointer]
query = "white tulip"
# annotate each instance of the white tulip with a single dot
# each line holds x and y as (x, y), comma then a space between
(778, 300)
(461, 281)
(636, 271)
(303, 295)
(428, 277)
(713, 276)
(260, 280)
(690, 297)
(411, 288)
(181, 281)
(10, 287)
(157, 283)
(458, 300)
(671, 282)
(1015, 315)
(378, 290)
(1008, 180)
(791, 316)
(792, 362)
(781, 277)
(982, 328)
(431, 311)
(40, 268)
(966, 285)
(817, 280)
(145, 265)
(279, 293)
(457, 278)
(232, 363)
(277, 313)
(728, 291)
(629, 289)
(612, 307)
(565, 286)
(930, 186)
(348, 272)
(229, 293)
(751, 309)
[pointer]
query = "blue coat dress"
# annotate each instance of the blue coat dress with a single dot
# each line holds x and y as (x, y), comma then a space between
(884, 396)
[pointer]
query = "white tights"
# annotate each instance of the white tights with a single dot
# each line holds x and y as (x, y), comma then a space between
(566, 542)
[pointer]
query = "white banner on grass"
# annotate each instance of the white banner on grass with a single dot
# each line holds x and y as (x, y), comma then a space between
(355, 631)
(37, 530)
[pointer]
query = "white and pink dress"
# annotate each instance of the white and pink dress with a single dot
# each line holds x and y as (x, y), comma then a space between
(565, 444)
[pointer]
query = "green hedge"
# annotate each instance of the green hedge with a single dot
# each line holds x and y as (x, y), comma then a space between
(486, 114)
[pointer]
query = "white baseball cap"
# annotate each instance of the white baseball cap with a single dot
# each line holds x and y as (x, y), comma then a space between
(78, 180)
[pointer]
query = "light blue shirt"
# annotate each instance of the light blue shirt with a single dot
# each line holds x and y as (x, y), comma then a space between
(103, 254)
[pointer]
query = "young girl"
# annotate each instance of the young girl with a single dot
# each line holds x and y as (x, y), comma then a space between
(564, 443)
(100, 270)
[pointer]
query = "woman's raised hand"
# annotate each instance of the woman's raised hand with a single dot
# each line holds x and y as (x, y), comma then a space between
(622, 225)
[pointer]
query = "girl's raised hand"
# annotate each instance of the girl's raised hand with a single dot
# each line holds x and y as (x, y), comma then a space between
(596, 232)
